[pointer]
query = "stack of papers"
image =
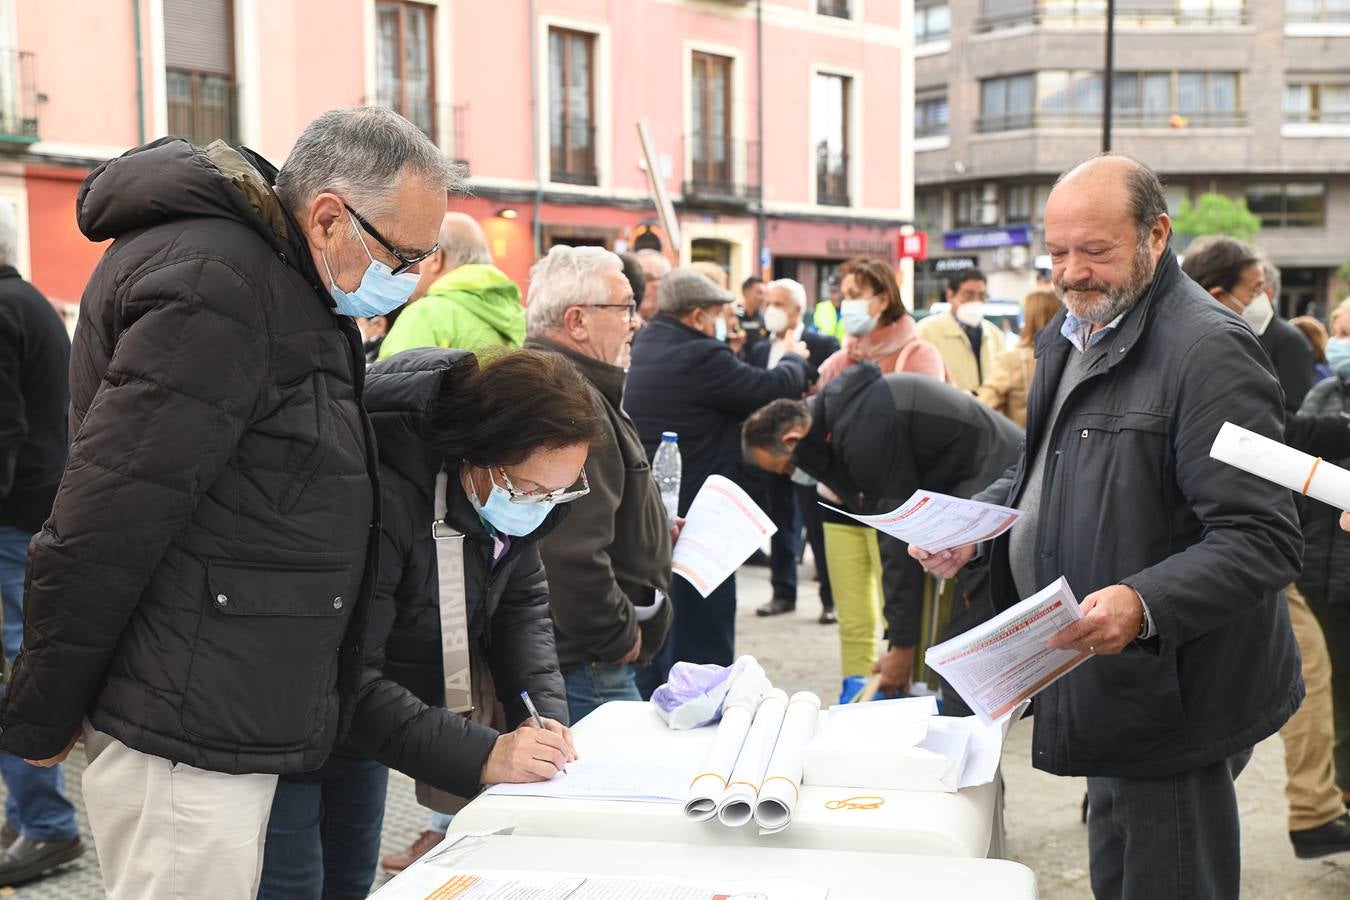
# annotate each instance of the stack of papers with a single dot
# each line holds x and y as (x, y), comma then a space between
(705, 790)
(998, 665)
(583, 780)
(737, 803)
(433, 882)
(903, 745)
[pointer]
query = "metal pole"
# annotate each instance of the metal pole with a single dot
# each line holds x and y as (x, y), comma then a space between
(759, 130)
(1109, 75)
(535, 138)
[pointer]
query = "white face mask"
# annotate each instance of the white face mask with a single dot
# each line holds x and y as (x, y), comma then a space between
(775, 319)
(1259, 312)
(970, 313)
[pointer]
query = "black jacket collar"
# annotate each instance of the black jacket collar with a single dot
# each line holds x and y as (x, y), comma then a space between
(608, 380)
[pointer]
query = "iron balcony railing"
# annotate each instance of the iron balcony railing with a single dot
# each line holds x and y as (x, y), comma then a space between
(1121, 118)
(572, 153)
(202, 108)
(721, 169)
(831, 178)
(1092, 14)
(18, 96)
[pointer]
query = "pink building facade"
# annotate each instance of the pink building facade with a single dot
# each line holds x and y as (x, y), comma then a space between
(781, 130)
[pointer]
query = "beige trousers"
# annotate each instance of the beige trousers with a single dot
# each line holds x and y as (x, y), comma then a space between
(168, 831)
(1310, 735)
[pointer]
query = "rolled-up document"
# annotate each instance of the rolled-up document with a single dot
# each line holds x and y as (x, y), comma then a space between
(1310, 476)
(737, 804)
(782, 785)
(738, 712)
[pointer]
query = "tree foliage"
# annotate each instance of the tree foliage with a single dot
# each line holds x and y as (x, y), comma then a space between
(1216, 214)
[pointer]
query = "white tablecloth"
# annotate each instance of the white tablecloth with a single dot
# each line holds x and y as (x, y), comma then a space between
(908, 822)
(849, 876)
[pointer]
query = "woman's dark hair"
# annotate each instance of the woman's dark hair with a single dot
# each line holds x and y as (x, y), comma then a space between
(513, 404)
(878, 276)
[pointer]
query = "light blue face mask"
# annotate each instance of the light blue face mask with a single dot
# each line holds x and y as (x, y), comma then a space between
(857, 321)
(720, 328)
(800, 477)
(515, 519)
(1338, 357)
(381, 291)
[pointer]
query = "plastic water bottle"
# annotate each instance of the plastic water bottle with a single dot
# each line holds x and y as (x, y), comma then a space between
(666, 471)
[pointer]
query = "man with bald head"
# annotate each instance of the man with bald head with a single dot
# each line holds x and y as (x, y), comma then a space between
(1179, 559)
(462, 300)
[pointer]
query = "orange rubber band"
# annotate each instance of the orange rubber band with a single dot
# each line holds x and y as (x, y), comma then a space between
(708, 775)
(1311, 472)
(857, 803)
(747, 784)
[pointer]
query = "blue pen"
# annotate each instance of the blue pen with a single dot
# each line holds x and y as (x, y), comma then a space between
(534, 713)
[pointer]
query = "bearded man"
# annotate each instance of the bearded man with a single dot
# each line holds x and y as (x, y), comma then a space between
(1179, 559)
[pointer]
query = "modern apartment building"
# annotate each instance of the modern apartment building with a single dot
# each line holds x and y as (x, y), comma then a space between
(780, 127)
(1250, 98)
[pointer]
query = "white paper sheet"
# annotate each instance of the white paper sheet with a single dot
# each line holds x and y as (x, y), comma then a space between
(781, 788)
(723, 528)
(1283, 465)
(613, 780)
(997, 665)
(438, 883)
(936, 522)
(737, 803)
(744, 692)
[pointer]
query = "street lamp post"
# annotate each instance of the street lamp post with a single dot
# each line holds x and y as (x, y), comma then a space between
(1109, 75)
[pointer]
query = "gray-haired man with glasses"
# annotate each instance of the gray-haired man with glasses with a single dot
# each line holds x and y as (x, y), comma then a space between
(610, 564)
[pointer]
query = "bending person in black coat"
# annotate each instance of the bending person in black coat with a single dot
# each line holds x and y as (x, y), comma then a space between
(874, 440)
(503, 446)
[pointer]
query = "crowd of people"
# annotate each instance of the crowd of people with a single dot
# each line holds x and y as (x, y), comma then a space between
(314, 515)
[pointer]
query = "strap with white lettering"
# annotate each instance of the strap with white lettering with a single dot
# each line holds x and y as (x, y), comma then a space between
(453, 606)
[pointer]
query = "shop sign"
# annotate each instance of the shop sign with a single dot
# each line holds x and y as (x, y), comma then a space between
(987, 238)
(914, 246)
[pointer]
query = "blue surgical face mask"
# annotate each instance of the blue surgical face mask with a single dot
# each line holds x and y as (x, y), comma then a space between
(381, 291)
(515, 519)
(857, 321)
(1338, 357)
(720, 328)
(800, 477)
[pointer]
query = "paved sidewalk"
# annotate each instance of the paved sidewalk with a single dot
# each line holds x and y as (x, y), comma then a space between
(1044, 831)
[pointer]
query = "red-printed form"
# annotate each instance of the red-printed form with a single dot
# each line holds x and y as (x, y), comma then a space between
(723, 528)
(935, 522)
(997, 665)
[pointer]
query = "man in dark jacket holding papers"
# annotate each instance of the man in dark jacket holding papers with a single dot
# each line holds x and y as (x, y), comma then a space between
(874, 440)
(1178, 559)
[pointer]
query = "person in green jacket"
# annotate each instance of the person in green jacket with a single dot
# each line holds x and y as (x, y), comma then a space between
(462, 300)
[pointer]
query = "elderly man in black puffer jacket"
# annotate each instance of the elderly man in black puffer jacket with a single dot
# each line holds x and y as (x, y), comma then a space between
(197, 597)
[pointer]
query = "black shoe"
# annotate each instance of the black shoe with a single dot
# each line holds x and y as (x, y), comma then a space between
(758, 558)
(1333, 837)
(27, 859)
(8, 835)
(827, 617)
(776, 607)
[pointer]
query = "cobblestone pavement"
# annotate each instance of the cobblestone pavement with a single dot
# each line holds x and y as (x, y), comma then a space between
(1044, 830)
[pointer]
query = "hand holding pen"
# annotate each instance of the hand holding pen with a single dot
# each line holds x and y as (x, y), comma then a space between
(536, 751)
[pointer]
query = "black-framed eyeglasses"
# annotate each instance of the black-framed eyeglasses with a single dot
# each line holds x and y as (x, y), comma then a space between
(404, 263)
(630, 307)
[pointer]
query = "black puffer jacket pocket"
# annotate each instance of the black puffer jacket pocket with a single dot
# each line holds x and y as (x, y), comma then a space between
(263, 665)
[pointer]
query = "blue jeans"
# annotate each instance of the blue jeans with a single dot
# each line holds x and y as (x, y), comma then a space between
(36, 806)
(591, 684)
(323, 840)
